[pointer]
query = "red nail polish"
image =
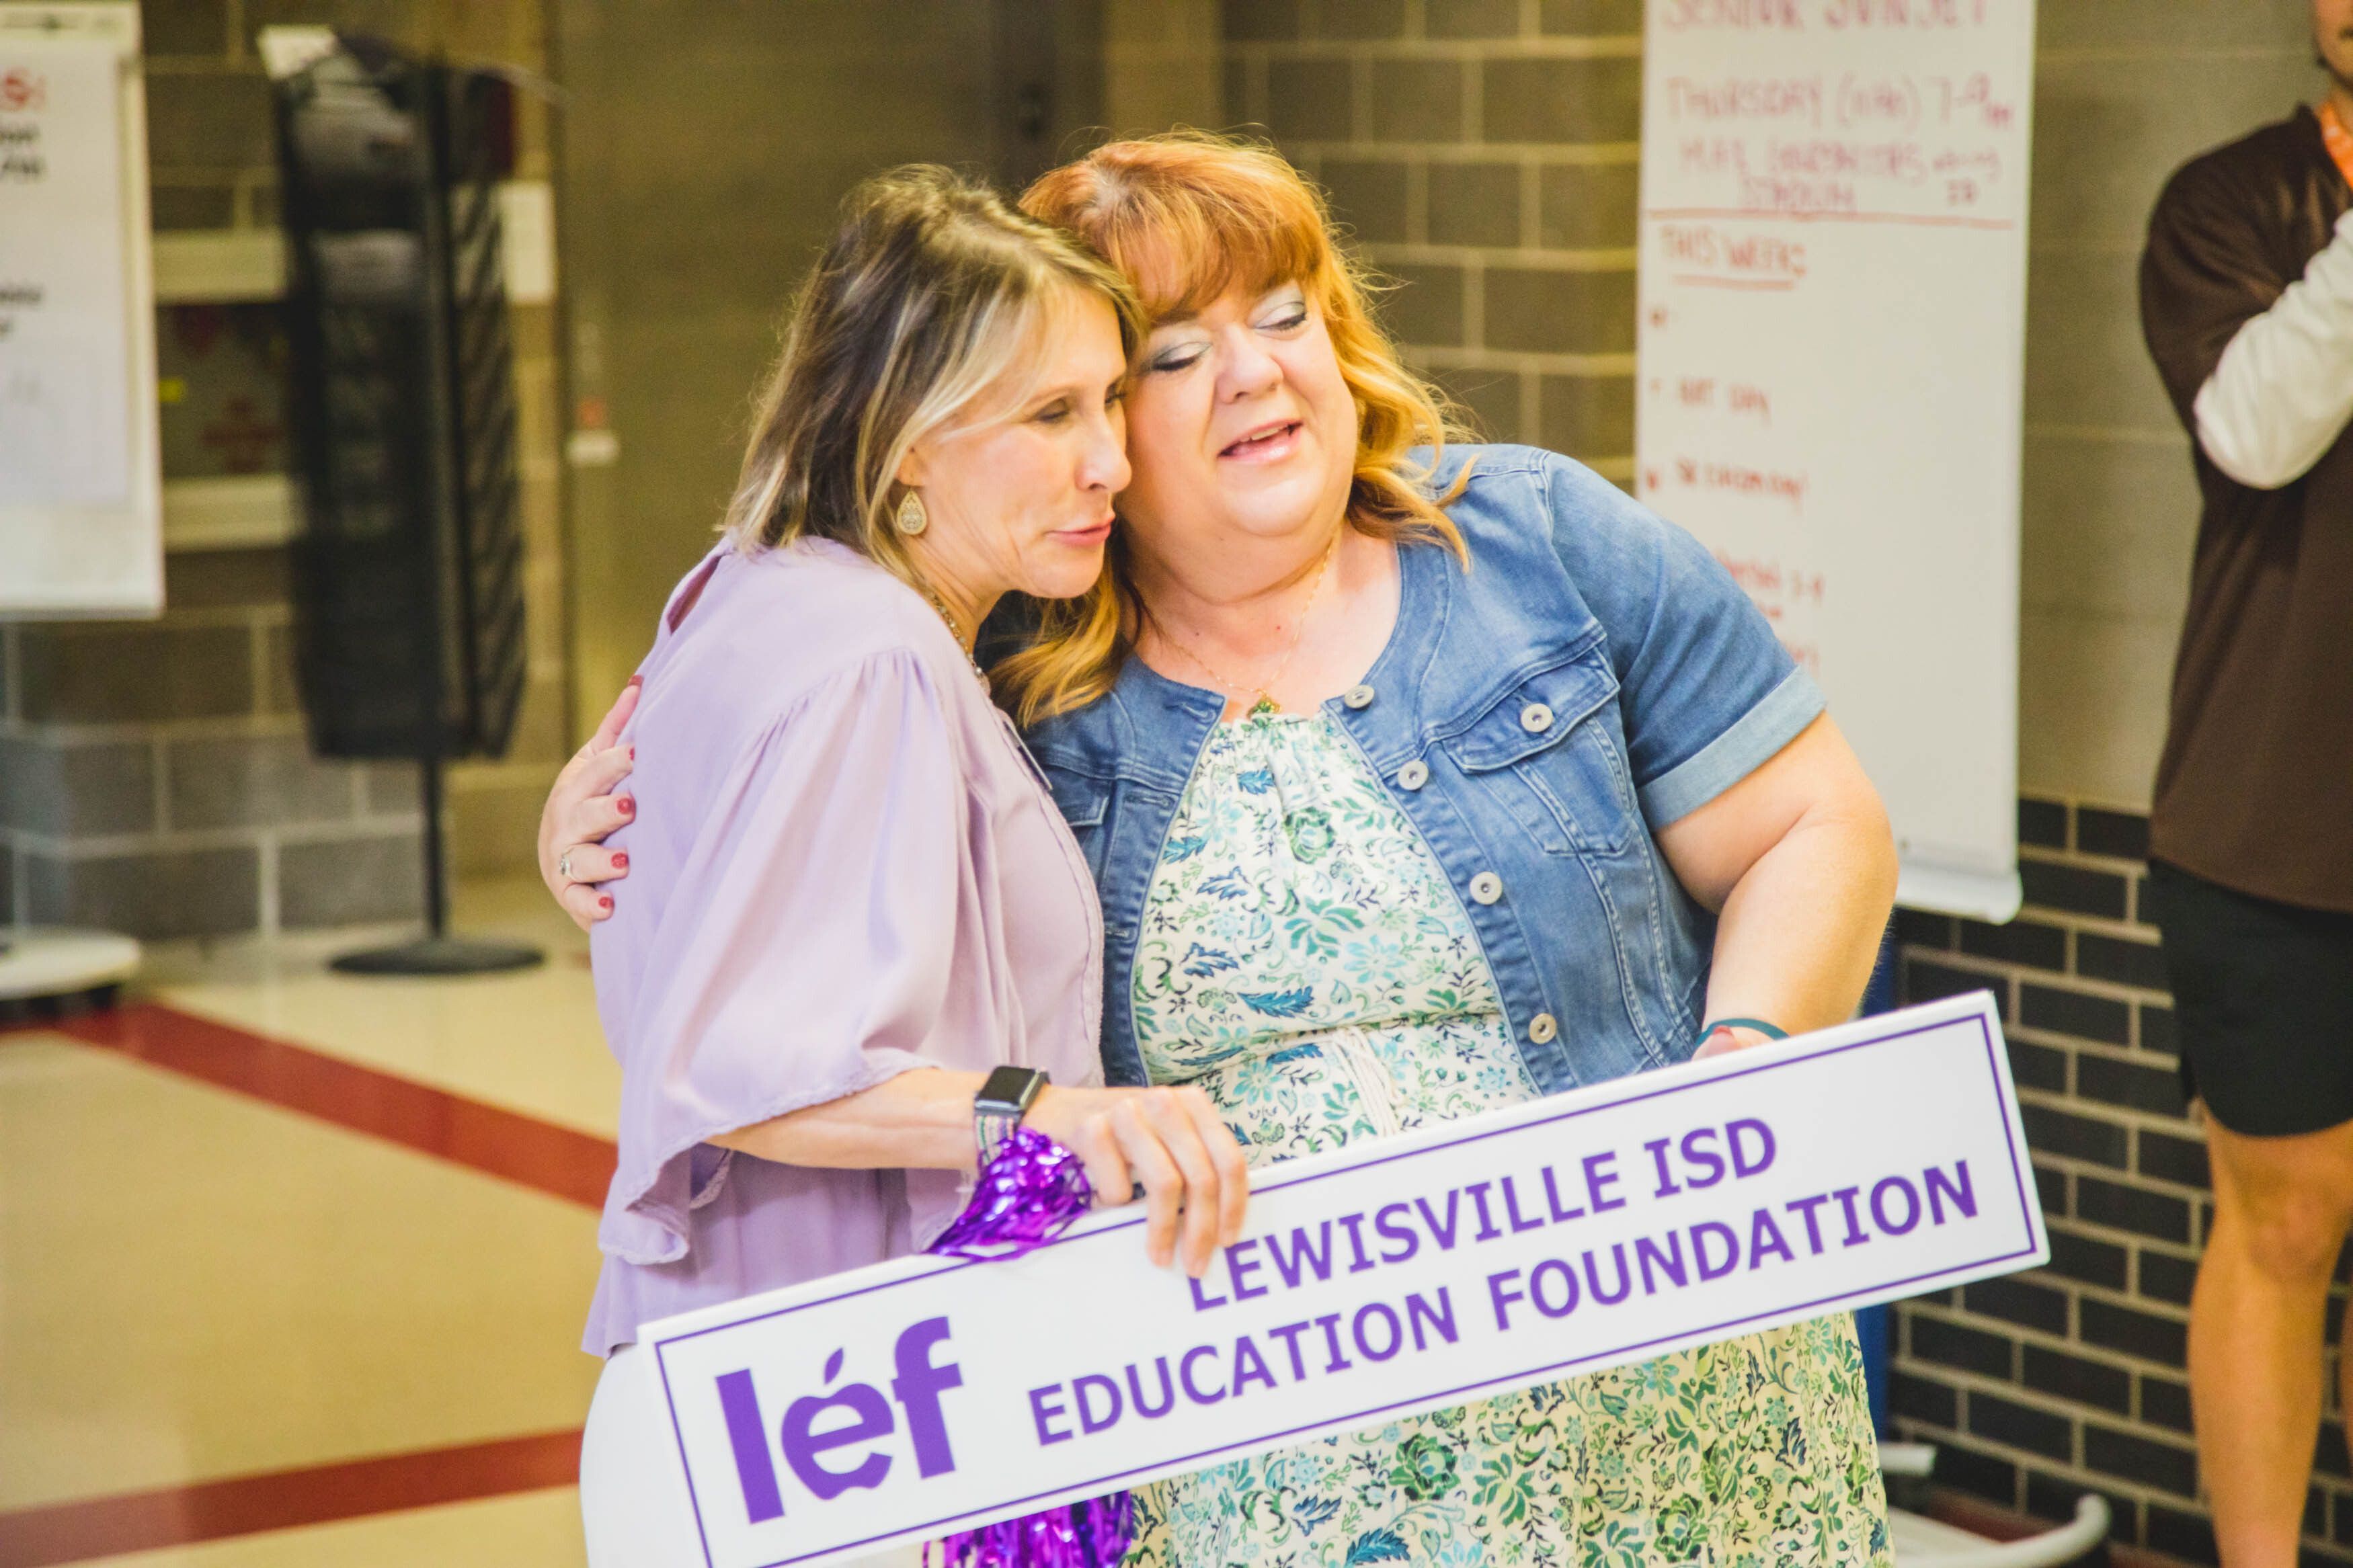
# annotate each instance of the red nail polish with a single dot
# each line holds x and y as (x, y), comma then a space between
(637, 680)
(627, 806)
(620, 860)
(633, 753)
(605, 905)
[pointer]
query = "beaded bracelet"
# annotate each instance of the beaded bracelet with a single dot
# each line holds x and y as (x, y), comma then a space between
(1770, 1031)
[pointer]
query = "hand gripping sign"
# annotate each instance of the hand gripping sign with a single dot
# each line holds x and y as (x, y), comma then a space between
(1861, 1164)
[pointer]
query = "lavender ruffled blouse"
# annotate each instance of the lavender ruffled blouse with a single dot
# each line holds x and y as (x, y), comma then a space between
(843, 867)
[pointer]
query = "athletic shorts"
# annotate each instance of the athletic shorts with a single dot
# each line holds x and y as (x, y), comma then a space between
(2263, 999)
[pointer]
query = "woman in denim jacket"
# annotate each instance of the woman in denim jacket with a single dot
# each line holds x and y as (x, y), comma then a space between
(1417, 779)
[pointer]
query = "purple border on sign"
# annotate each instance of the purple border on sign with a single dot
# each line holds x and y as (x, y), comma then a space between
(2031, 1213)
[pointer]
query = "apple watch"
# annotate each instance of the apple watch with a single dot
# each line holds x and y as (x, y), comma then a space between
(1003, 1100)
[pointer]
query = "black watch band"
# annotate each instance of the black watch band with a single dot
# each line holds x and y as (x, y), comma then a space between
(1003, 1100)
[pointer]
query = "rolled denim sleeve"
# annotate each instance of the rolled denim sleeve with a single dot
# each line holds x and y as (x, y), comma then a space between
(1707, 691)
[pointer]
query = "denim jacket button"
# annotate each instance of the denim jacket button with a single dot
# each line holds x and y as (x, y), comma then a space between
(1535, 717)
(1486, 887)
(1357, 697)
(1414, 775)
(1543, 1028)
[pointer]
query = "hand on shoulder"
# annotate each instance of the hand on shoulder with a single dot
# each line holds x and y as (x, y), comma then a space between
(582, 811)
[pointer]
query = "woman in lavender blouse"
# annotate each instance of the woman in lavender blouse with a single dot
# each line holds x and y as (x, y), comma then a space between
(843, 867)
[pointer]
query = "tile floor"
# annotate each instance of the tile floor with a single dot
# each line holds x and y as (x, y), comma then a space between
(293, 1265)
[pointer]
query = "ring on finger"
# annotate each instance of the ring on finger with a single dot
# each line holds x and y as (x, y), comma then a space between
(564, 865)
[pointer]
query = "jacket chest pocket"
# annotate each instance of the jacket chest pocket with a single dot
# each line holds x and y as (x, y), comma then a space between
(1544, 753)
(1083, 802)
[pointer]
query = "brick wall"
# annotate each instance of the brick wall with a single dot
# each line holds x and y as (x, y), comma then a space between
(1483, 152)
(153, 777)
(1161, 66)
(2070, 1378)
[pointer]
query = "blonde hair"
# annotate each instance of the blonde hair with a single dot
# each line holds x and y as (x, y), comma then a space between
(928, 295)
(1188, 215)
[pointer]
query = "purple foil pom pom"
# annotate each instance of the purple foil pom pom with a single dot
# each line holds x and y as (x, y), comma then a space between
(1030, 1191)
(1084, 1535)
(1029, 1195)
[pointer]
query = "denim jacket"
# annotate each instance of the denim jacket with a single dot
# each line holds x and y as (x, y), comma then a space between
(1593, 676)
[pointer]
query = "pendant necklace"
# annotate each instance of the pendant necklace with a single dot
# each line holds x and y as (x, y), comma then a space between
(1262, 691)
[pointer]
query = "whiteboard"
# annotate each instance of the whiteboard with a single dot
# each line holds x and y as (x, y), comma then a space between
(82, 505)
(1830, 364)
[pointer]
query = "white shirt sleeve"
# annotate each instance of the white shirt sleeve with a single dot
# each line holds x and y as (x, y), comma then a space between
(2283, 389)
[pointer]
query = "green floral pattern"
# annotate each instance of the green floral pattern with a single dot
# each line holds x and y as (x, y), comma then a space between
(1304, 963)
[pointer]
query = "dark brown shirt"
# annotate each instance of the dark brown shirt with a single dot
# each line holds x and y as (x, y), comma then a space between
(2254, 790)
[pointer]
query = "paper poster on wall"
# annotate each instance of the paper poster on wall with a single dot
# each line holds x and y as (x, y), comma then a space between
(1830, 374)
(80, 496)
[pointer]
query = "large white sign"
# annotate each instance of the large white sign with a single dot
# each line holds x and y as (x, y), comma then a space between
(1831, 373)
(1859, 1164)
(80, 488)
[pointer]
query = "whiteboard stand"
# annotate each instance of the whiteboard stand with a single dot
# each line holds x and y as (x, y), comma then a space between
(82, 492)
(81, 498)
(1830, 343)
(1992, 894)
(1919, 1541)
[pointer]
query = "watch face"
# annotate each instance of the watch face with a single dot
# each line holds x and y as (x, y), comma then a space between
(1008, 1088)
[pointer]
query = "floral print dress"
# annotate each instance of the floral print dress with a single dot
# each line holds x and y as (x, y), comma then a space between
(1304, 963)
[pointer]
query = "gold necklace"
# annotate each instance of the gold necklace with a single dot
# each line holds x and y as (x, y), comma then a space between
(955, 631)
(1262, 691)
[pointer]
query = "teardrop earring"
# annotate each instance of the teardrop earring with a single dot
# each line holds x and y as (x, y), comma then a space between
(911, 519)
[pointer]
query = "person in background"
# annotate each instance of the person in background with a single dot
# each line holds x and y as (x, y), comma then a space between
(2247, 304)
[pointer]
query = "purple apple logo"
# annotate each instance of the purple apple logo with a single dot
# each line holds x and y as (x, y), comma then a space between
(853, 1415)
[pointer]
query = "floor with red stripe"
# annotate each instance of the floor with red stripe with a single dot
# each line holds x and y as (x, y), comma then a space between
(293, 1265)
